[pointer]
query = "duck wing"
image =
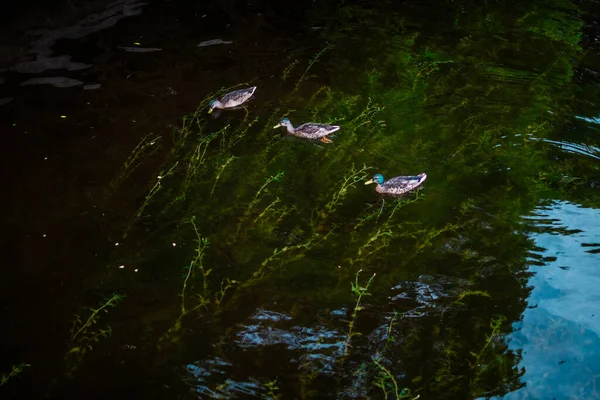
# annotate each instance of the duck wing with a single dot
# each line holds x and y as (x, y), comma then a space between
(405, 182)
(237, 97)
(314, 130)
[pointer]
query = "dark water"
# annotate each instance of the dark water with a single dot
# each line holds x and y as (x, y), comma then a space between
(151, 251)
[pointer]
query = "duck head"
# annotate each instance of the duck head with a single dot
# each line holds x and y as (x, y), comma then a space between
(377, 178)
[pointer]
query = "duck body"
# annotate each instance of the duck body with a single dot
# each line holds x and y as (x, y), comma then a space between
(397, 185)
(232, 99)
(309, 130)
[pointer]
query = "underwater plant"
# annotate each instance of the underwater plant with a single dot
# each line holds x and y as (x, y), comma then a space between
(14, 372)
(83, 336)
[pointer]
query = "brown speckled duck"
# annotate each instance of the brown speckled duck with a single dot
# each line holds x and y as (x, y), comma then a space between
(309, 130)
(232, 99)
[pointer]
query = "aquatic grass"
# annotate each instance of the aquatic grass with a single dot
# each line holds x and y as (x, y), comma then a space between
(431, 234)
(477, 364)
(267, 131)
(278, 254)
(220, 171)
(311, 63)
(373, 215)
(258, 196)
(328, 98)
(151, 194)
(272, 390)
(265, 223)
(366, 116)
(202, 299)
(376, 243)
(196, 158)
(287, 70)
(267, 209)
(376, 212)
(278, 258)
(307, 377)
(359, 292)
(196, 264)
(391, 339)
(270, 218)
(324, 104)
(234, 137)
(351, 177)
(387, 383)
(496, 324)
(147, 147)
(82, 335)
(15, 371)
(379, 239)
(463, 295)
(191, 122)
(226, 285)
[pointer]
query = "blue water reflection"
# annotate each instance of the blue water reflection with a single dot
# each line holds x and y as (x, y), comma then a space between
(559, 333)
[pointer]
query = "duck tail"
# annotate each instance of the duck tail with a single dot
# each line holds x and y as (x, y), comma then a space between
(422, 177)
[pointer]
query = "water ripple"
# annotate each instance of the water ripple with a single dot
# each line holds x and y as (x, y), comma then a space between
(559, 334)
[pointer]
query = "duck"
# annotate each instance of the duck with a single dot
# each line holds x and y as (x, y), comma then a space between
(232, 99)
(309, 130)
(397, 185)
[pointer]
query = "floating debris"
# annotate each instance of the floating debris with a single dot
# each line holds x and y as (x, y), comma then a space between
(134, 49)
(213, 42)
(44, 63)
(6, 100)
(93, 86)
(56, 81)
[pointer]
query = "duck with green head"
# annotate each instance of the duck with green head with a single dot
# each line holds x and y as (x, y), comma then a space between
(397, 185)
(232, 99)
(310, 130)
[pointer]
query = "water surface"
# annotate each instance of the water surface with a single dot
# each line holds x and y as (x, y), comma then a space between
(234, 261)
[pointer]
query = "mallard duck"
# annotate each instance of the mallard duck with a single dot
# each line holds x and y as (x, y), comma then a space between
(397, 185)
(310, 130)
(232, 99)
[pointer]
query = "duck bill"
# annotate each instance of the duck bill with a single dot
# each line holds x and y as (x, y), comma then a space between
(369, 182)
(210, 110)
(277, 126)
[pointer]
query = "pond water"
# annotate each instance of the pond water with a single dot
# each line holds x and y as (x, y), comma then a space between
(151, 250)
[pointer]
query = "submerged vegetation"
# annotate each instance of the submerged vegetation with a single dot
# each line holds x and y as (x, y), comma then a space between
(274, 208)
(83, 336)
(15, 371)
